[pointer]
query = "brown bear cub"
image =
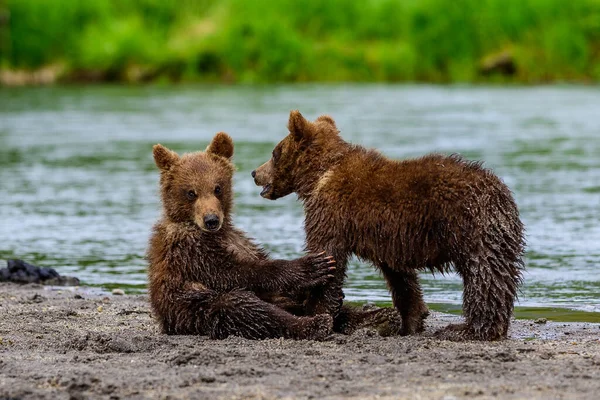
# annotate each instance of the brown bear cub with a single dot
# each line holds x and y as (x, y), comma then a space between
(429, 213)
(205, 276)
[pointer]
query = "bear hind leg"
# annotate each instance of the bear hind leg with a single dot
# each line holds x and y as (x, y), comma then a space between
(242, 313)
(490, 289)
(386, 320)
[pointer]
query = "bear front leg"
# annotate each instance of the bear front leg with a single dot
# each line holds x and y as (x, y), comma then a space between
(307, 272)
(407, 297)
(242, 313)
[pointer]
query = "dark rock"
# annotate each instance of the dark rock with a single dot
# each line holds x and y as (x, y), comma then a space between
(18, 271)
(37, 298)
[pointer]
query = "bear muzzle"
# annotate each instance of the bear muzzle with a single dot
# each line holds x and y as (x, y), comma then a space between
(266, 192)
(261, 178)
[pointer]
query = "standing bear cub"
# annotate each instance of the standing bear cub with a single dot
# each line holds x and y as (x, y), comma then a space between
(429, 213)
(205, 276)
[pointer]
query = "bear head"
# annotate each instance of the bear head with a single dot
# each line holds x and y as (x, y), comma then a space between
(303, 155)
(197, 187)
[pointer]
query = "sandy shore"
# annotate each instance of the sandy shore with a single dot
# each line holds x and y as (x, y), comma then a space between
(61, 344)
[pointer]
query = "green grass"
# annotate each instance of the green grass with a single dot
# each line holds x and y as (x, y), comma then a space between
(253, 41)
(549, 313)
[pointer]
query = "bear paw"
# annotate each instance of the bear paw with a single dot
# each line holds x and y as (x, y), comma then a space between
(318, 327)
(317, 269)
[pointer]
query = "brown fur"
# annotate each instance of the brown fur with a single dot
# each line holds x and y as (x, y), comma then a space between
(431, 213)
(205, 276)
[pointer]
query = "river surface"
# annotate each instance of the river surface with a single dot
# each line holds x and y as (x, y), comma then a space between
(79, 188)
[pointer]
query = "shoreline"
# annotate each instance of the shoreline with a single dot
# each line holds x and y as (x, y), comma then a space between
(54, 75)
(73, 343)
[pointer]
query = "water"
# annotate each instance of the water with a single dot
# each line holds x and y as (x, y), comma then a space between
(79, 189)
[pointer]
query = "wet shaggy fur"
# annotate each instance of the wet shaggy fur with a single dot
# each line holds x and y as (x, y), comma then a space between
(205, 276)
(430, 213)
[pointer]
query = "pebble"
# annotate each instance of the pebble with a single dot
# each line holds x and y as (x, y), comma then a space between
(118, 292)
(541, 321)
(37, 298)
(100, 308)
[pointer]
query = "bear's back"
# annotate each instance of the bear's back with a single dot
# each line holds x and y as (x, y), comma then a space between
(367, 176)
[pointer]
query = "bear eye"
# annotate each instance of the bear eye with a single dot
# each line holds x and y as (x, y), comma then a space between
(276, 154)
(218, 190)
(191, 195)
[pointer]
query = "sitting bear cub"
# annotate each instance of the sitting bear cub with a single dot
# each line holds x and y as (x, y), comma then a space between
(205, 276)
(428, 213)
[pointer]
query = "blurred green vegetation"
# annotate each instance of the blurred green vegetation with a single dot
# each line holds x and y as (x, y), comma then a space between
(304, 40)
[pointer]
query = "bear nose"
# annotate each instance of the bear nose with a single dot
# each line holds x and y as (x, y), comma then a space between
(253, 173)
(211, 222)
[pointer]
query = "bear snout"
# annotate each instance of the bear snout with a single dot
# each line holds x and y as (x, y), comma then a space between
(262, 174)
(212, 222)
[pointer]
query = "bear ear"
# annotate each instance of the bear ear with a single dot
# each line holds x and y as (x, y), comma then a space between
(327, 119)
(298, 125)
(163, 157)
(221, 145)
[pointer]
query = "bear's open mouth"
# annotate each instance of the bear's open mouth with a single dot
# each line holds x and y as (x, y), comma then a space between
(266, 189)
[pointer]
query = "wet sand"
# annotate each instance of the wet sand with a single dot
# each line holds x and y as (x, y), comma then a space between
(67, 343)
